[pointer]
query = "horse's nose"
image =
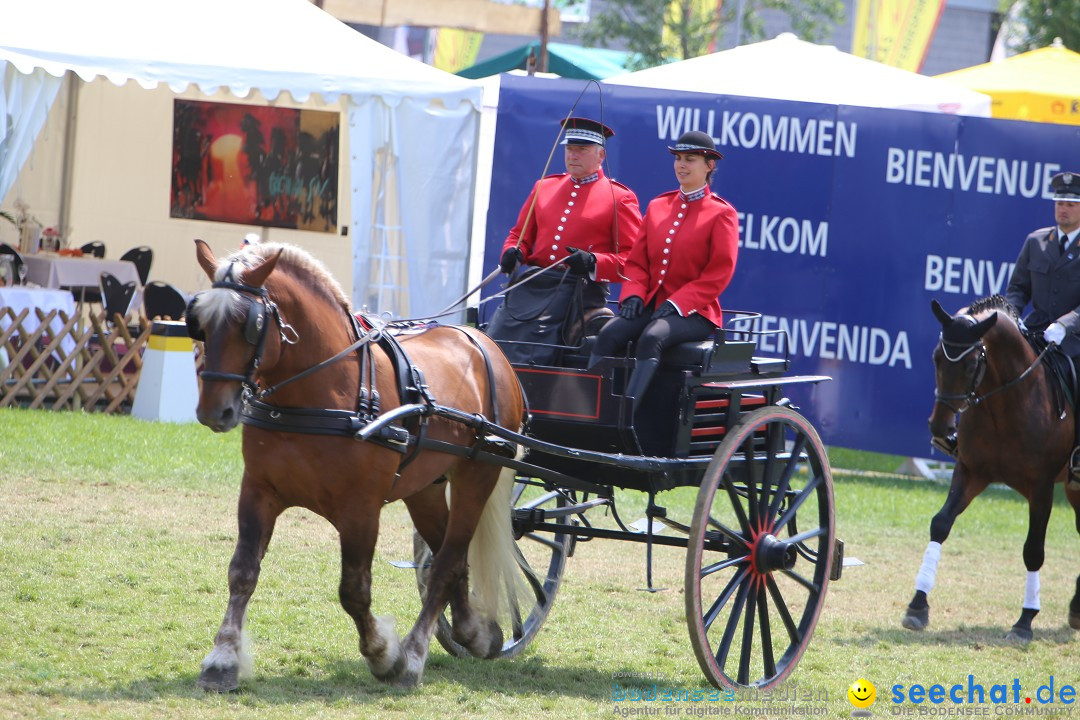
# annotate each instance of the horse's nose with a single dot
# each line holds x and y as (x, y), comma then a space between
(941, 424)
(221, 419)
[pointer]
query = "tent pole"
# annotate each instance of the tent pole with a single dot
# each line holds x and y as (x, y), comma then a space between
(64, 220)
(542, 60)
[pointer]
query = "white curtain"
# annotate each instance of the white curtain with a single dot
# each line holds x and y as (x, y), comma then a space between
(411, 210)
(24, 106)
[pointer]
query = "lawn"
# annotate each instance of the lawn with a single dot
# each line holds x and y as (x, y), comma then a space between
(115, 537)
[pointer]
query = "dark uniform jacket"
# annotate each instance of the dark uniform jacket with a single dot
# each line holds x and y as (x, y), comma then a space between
(1050, 280)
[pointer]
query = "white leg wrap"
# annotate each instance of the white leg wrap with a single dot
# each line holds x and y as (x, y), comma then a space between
(1031, 591)
(928, 571)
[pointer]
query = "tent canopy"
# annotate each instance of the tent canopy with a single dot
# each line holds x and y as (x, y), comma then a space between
(570, 61)
(1041, 85)
(269, 45)
(395, 109)
(791, 69)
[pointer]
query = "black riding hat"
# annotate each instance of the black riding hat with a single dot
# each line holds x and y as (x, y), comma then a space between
(695, 141)
(583, 131)
(1066, 187)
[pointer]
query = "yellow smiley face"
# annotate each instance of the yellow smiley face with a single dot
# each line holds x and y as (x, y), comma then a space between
(862, 693)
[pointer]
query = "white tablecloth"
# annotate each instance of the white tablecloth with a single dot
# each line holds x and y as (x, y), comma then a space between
(18, 297)
(55, 271)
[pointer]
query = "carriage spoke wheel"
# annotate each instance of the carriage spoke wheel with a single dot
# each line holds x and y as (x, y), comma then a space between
(761, 545)
(541, 560)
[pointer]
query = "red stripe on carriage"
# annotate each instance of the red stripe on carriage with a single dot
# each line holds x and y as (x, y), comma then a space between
(707, 431)
(594, 415)
(748, 401)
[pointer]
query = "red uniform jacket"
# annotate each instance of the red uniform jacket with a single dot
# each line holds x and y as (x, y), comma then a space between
(586, 217)
(685, 253)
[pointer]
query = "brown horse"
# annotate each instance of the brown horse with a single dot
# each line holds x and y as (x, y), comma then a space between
(273, 313)
(998, 411)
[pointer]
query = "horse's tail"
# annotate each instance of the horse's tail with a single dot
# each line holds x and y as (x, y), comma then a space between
(494, 572)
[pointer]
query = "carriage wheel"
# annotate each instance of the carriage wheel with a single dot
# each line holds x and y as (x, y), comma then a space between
(761, 546)
(541, 561)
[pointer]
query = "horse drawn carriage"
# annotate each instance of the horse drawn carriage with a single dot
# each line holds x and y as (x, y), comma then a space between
(761, 541)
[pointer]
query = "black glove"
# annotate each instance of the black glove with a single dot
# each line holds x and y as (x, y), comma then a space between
(631, 307)
(510, 259)
(666, 309)
(580, 262)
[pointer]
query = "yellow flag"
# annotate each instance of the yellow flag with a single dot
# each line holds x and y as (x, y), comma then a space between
(700, 11)
(456, 49)
(895, 32)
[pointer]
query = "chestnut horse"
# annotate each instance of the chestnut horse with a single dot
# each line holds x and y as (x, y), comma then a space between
(998, 411)
(273, 313)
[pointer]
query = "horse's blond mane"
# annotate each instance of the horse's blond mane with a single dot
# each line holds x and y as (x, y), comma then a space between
(215, 306)
(293, 257)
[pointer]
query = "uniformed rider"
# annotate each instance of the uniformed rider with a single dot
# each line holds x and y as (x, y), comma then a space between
(1047, 275)
(579, 223)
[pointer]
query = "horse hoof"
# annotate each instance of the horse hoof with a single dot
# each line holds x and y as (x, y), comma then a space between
(219, 679)
(916, 618)
(1074, 620)
(394, 674)
(495, 642)
(1019, 635)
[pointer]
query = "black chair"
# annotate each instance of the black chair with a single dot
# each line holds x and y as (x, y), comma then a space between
(160, 299)
(142, 256)
(94, 249)
(17, 265)
(116, 296)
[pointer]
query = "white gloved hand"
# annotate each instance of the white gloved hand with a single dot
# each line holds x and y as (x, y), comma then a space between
(1054, 334)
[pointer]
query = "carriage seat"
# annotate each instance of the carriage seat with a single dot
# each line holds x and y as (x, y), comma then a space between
(712, 356)
(715, 356)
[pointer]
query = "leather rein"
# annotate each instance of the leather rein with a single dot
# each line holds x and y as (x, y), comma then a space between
(348, 423)
(971, 398)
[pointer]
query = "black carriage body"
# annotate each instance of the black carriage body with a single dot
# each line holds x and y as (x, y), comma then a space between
(700, 390)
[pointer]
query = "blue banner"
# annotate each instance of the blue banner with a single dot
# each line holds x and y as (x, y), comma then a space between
(851, 221)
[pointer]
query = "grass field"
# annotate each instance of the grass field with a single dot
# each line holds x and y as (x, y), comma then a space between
(115, 536)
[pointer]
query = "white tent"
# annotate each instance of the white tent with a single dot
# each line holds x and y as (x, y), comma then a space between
(791, 69)
(409, 130)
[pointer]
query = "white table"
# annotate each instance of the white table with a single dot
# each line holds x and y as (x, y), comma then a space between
(19, 297)
(79, 274)
(58, 271)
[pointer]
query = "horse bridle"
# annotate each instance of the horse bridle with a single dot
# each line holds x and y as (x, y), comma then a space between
(971, 398)
(255, 330)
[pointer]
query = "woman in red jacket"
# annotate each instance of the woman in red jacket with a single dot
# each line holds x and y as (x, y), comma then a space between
(683, 258)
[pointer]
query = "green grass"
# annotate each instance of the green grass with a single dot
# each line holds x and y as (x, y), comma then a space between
(115, 537)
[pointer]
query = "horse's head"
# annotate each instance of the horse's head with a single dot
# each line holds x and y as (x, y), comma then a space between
(959, 367)
(234, 319)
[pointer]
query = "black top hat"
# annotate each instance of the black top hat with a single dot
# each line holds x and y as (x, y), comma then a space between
(695, 141)
(583, 131)
(1066, 187)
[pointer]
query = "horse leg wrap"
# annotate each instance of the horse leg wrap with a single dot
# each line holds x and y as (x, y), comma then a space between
(1031, 591)
(924, 580)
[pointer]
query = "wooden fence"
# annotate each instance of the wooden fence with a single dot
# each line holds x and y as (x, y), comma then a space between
(68, 364)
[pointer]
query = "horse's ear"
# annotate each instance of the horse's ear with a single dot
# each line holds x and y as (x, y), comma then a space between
(939, 312)
(206, 258)
(256, 276)
(980, 328)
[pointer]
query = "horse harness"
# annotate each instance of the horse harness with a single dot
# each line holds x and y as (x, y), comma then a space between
(971, 398)
(407, 439)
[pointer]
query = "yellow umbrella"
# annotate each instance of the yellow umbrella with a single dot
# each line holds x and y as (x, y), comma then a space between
(1041, 85)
